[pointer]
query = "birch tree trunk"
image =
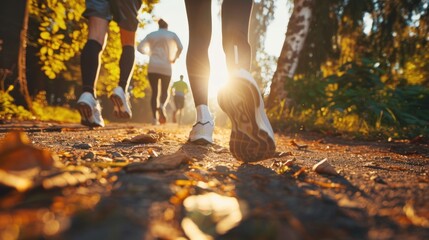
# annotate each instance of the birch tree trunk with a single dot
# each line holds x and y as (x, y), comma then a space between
(287, 63)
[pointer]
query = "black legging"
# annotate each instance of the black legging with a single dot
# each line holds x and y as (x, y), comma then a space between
(165, 82)
(235, 28)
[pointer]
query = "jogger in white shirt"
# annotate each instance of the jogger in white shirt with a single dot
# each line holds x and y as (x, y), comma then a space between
(163, 48)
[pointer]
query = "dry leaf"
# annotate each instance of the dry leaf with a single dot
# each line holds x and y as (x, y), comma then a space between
(166, 162)
(70, 176)
(413, 217)
(17, 153)
(299, 172)
(143, 138)
(300, 147)
(21, 184)
(290, 162)
(324, 167)
(212, 213)
(325, 184)
(196, 176)
(283, 154)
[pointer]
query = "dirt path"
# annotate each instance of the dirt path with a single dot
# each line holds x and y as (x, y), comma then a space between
(107, 185)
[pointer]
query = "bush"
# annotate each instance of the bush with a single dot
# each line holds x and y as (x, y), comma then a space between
(360, 99)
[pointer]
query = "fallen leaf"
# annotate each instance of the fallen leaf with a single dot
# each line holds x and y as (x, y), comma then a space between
(283, 154)
(69, 176)
(21, 184)
(324, 167)
(180, 196)
(165, 162)
(106, 164)
(299, 172)
(17, 153)
(290, 162)
(300, 147)
(184, 183)
(325, 184)
(211, 214)
(413, 217)
(196, 176)
(143, 138)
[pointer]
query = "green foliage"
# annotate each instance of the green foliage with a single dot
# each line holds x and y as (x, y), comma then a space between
(361, 99)
(139, 83)
(395, 30)
(363, 70)
(61, 35)
(8, 110)
(360, 91)
(42, 111)
(62, 32)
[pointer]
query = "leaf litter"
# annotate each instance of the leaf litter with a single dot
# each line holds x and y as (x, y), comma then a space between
(199, 173)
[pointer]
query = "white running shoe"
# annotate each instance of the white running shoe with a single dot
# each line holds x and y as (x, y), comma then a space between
(90, 110)
(202, 133)
(252, 138)
(121, 103)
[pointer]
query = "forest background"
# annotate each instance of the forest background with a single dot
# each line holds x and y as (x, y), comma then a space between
(363, 69)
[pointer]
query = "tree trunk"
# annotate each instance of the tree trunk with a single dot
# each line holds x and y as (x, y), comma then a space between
(12, 15)
(22, 76)
(287, 63)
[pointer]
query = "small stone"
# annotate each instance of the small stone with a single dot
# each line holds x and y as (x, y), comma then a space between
(116, 155)
(377, 179)
(82, 146)
(89, 155)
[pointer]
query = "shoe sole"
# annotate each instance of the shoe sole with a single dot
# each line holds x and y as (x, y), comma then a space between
(118, 107)
(201, 139)
(85, 112)
(248, 142)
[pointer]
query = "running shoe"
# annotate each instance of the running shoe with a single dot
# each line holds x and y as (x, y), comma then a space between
(121, 103)
(252, 137)
(202, 133)
(90, 110)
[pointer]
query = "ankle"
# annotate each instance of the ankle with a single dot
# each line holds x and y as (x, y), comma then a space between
(203, 113)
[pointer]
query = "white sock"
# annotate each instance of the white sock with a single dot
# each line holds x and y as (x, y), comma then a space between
(203, 114)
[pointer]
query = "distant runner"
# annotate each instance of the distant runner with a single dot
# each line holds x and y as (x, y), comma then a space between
(179, 88)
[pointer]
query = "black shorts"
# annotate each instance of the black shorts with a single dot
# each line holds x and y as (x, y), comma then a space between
(124, 12)
(179, 101)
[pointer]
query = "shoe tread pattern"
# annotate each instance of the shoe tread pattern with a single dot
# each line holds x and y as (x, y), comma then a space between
(85, 112)
(118, 107)
(248, 141)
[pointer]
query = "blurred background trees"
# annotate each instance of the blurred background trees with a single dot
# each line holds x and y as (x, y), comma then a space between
(363, 68)
(56, 34)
